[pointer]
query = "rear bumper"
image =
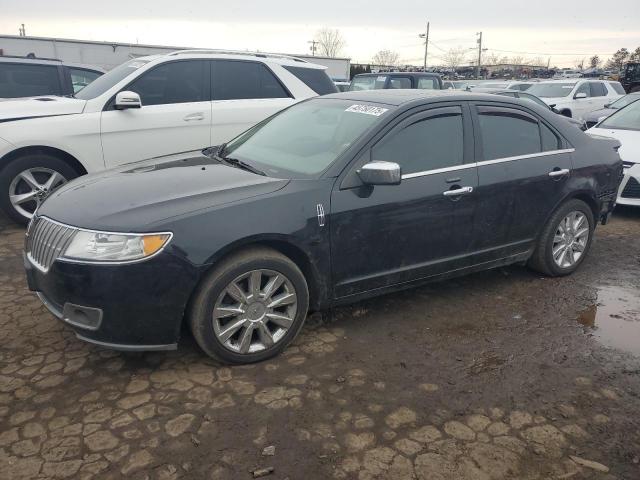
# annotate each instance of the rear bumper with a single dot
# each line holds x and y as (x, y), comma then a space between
(136, 307)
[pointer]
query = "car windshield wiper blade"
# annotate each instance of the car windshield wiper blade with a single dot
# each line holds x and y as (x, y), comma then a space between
(234, 162)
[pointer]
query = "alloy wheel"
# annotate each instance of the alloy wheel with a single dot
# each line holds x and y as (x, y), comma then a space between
(255, 311)
(570, 239)
(30, 188)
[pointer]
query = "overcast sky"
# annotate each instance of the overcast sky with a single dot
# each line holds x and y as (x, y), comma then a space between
(564, 31)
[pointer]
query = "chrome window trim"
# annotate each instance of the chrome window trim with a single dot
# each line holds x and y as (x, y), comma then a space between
(487, 162)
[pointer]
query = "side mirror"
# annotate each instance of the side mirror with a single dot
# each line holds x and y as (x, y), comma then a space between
(126, 99)
(380, 173)
(580, 95)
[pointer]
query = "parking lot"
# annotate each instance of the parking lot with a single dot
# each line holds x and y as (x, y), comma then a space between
(492, 376)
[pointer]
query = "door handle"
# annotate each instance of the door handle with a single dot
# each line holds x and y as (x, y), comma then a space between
(458, 191)
(559, 172)
(194, 116)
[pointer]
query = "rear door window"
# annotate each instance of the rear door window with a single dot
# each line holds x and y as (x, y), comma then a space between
(598, 89)
(20, 80)
(314, 78)
(237, 80)
(507, 132)
(431, 142)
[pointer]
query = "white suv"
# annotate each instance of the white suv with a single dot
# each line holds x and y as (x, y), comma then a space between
(147, 107)
(576, 97)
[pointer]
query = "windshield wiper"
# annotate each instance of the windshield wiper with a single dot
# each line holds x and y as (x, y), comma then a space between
(234, 162)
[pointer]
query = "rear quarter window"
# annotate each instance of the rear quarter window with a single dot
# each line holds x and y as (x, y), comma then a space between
(314, 78)
(617, 87)
(19, 80)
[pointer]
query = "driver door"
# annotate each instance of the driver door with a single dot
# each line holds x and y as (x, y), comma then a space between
(390, 234)
(175, 115)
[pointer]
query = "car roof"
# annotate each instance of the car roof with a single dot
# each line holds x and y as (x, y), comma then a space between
(397, 97)
(276, 58)
(398, 74)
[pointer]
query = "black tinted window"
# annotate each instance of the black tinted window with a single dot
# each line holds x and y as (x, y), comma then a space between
(507, 134)
(314, 78)
(427, 144)
(175, 82)
(19, 80)
(598, 89)
(550, 140)
(233, 80)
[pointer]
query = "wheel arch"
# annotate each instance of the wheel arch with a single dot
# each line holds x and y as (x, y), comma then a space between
(286, 246)
(43, 149)
(584, 195)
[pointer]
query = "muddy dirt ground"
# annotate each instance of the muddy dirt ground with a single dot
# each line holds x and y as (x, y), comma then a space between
(499, 375)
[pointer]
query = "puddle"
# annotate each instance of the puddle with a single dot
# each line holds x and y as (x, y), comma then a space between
(615, 319)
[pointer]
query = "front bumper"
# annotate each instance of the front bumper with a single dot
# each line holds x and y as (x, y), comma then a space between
(629, 192)
(132, 307)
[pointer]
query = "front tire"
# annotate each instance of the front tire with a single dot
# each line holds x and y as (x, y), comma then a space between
(26, 181)
(250, 307)
(565, 240)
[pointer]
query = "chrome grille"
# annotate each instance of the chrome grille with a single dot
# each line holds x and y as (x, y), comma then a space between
(46, 239)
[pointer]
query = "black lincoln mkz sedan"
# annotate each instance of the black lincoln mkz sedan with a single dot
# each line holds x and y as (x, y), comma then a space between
(332, 200)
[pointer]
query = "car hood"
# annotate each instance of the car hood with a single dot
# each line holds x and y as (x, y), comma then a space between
(595, 115)
(44, 106)
(141, 196)
(630, 140)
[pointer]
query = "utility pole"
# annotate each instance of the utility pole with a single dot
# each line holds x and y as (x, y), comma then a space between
(426, 45)
(21, 31)
(313, 46)
(479, 54)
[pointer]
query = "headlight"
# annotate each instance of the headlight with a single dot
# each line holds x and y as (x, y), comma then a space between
(114, 247)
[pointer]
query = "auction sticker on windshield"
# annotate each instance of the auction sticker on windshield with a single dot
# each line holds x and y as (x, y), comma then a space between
(367, 109)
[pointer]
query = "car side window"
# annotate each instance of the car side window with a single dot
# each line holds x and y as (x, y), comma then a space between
(169, 83)
(507, 132)
(617, 87)
(583, 88)
(598, 89)
(429, 143)
(20, 80)
(426, 83)
(80, 78)
(400, 82)
(550, 140)
(237, 80)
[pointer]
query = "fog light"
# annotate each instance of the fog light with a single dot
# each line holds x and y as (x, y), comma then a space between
(88, 318)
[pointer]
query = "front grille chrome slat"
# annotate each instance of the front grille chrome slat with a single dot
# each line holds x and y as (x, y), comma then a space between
(46, 242)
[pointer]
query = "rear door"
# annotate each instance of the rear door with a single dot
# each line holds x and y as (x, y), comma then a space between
(599, 95)
(244, 93)
(391, 234)
(523, 167)
(175, 114)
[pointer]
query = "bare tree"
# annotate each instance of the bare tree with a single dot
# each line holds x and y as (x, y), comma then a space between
(454, 57)
(517, 60)
(386, 58)
(579, 64)
(595, 61)
(492, 59)
(537, 62)
(618, 60)
(330, 42)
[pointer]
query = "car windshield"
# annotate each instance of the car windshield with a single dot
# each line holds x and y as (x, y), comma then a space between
(624, 101)
(627, 118)
(305, 139)
(109, 79)
(550, 90)
(369, 82)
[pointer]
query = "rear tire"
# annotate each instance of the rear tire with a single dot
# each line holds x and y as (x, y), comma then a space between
(237, 296)
(17, 183)
(565, 240)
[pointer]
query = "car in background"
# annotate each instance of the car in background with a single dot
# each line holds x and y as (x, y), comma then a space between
(147, 107)
(630, 77)
(594, 117)
(624, 126)
(342, 86)
(458, 84)
(32, 77)
(509, 85)
(336, 199)
(576, 97)
(391, 80)
(532, 98)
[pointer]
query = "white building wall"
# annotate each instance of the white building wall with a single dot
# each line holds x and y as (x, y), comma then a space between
(110, 54)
